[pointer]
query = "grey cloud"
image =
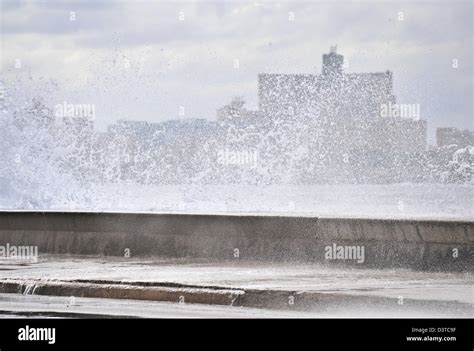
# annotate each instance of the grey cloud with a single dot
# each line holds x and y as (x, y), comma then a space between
(419, 50)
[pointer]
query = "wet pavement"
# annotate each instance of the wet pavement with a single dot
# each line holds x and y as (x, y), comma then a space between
(454, 291)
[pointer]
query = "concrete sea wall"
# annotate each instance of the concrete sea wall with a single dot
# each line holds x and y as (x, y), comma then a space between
(417, 244)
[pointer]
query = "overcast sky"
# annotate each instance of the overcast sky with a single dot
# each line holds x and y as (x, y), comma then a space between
(144, 60)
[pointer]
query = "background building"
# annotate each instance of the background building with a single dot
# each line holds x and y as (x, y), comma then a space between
(450, 136)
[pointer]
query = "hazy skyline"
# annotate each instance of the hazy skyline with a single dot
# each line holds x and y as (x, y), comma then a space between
(145, 60)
